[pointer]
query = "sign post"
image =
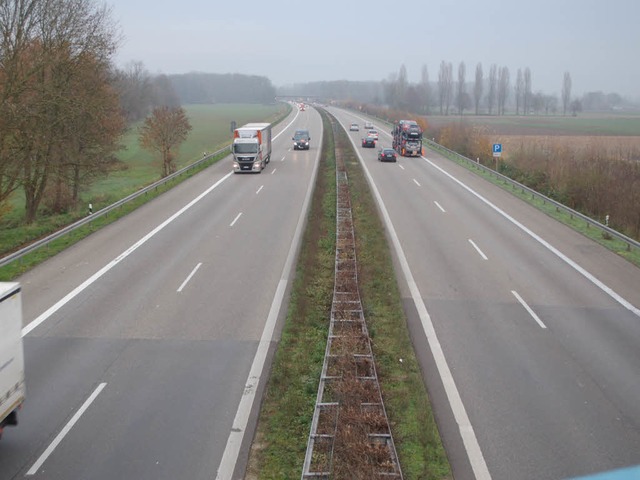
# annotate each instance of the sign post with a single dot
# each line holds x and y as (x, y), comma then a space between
(497, 152)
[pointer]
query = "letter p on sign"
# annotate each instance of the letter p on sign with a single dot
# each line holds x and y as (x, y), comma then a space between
(497, 149)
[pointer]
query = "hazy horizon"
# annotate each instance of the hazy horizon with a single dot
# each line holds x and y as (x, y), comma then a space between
(368, 41)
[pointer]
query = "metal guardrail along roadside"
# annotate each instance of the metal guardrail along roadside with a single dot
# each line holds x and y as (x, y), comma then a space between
(88, 219)
(559, 206)
(349, 417)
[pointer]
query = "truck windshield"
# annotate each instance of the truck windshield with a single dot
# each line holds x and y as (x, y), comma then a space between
(245, 148)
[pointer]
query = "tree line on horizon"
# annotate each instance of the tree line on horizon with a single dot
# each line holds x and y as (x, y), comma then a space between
(64, 105)
(493, 93)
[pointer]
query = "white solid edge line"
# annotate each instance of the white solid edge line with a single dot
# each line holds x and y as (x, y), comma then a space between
(67, 428)
(606, 289)
(71, 295)
(480, 252)
(189, 277)
(235, 219)
(528, 309)
(236, 435)
(476, 459)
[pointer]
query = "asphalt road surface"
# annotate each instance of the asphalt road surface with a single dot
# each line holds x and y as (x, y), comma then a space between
(145, 343)
(528, 333)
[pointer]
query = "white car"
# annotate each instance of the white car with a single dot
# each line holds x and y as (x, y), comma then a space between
(354, 127)
(373, 134)
(368, 125)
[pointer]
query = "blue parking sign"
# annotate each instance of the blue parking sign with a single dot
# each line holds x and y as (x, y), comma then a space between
(497, 149)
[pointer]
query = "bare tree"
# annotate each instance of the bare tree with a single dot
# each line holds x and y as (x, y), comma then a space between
(389, 88)
(493, 87)
(426, 88)
(575, 106)
(163, 92)
(478, 87)
(462, 89)
(17, 24)
(566, 92)
(537, 102)
(449, 85)
(442, 85)
(550, 104)
(519, 90)
(47, 49)
(445, 86)
(163, 131)
(527, 97)
(503, 89)
(134, 85)
(401, 88)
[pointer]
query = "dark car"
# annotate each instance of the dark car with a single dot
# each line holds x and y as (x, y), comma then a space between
(369, 142)
(387, 155)
(301, 140)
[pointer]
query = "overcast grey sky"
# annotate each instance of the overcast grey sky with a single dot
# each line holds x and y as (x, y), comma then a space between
(597, 41)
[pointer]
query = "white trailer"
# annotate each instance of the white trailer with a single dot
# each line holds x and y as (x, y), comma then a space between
(251, 147)
(12, 389)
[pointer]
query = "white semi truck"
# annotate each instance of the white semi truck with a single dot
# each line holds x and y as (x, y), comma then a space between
(12, 390)
(251, 147)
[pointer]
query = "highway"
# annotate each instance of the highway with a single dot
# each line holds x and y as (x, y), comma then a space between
(146, 343)
(528, 333)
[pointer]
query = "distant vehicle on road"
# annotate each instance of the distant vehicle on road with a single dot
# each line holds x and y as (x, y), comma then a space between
(301, 140)
(373, 134)
(354, 127)
(368, 125)
(387, 155)
(369, 142)
(12, 390)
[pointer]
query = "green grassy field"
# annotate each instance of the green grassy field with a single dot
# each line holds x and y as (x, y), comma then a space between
(584, 124)
(211, 131)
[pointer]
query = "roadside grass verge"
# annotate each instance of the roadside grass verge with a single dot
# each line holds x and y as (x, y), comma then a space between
(25, 263)
(279, 447)
(619, 125)
(137, 174)
(617, 246)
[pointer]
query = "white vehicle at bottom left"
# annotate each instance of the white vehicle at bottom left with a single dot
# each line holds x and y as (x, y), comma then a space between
(12, 388)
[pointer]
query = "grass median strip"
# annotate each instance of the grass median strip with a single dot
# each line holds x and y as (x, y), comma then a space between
(279, 447)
